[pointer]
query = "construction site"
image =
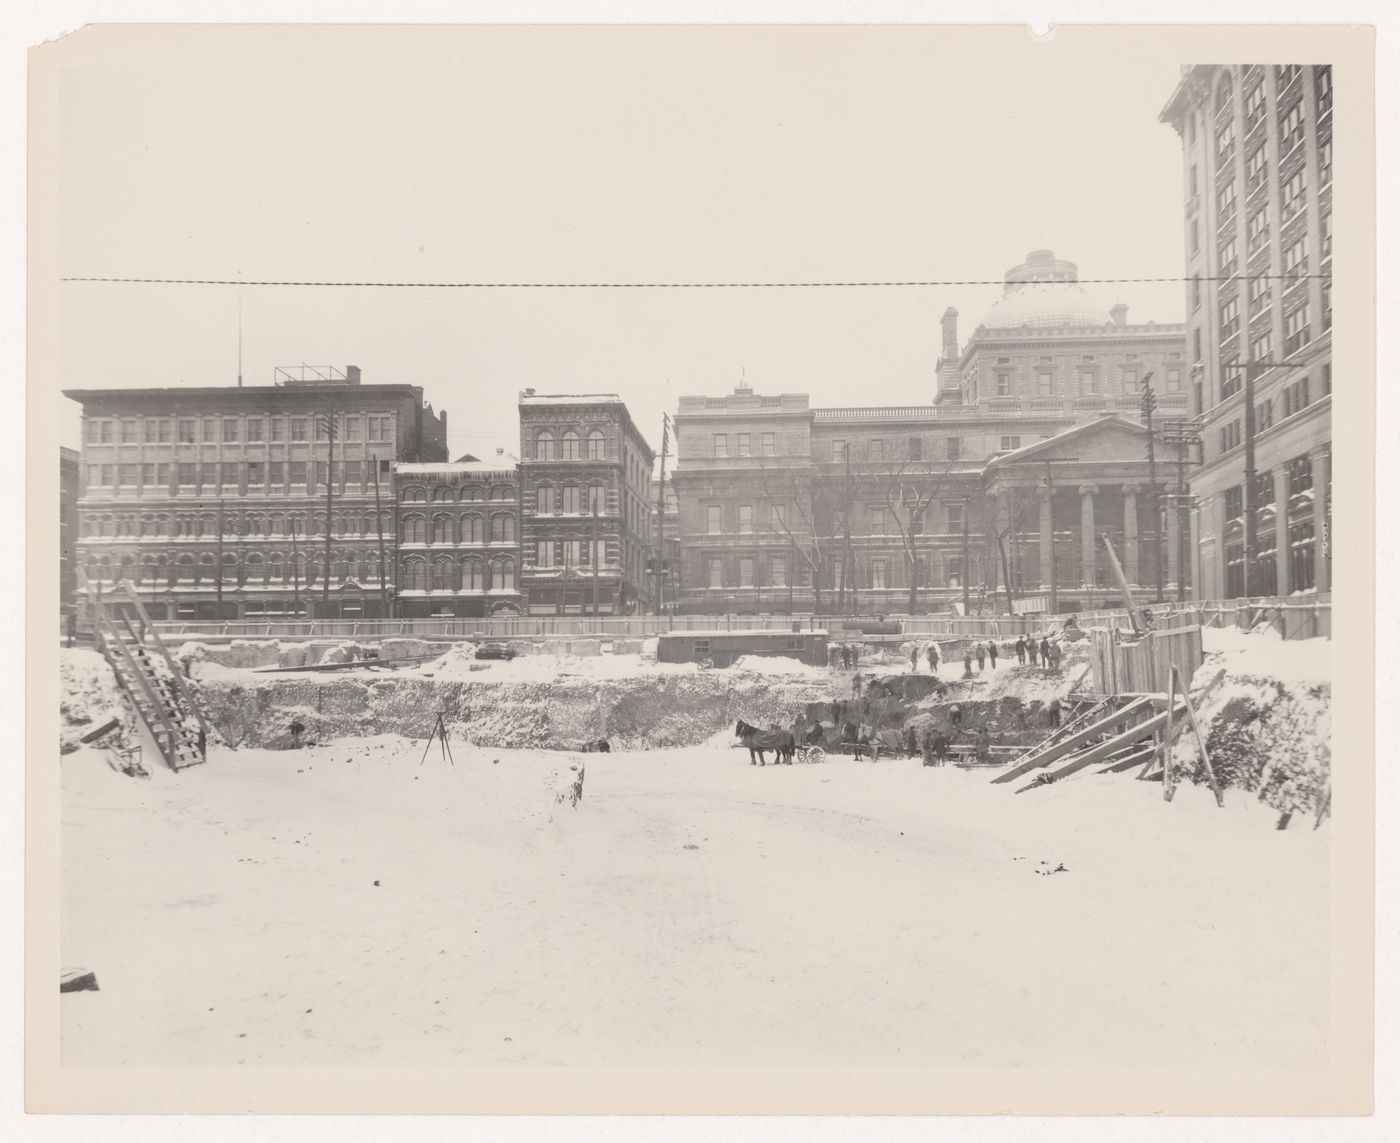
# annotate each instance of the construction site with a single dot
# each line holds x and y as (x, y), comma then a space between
(556, 850)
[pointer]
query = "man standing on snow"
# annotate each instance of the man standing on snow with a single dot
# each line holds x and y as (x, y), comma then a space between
(981, 658)
(967, 664)
(1031, 650)
(1021, 650)
(992, 651)
(984, 745)
(939, 747)
(914, 658)
(933, 657)
(1055, 711)
(1045, 651)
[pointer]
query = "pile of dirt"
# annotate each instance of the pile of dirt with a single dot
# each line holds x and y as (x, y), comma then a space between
(88, 697)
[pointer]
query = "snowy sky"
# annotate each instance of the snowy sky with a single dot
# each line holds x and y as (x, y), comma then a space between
(575, 154)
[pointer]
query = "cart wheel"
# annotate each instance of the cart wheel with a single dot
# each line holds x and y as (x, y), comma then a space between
(816, 754)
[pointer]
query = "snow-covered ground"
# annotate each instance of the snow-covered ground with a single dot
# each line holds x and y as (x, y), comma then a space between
(347, 905)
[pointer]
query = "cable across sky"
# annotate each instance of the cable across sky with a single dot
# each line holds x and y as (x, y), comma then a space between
(872, 284)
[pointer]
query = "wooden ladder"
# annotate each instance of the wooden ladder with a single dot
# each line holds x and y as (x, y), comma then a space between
(148, 675)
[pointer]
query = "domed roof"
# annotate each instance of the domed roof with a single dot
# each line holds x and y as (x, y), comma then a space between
(1044, 293)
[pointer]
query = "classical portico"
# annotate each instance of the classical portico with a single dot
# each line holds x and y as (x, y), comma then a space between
(1078, 489)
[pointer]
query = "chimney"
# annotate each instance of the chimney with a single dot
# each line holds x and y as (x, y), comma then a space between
(352, 374)
(527, 392)
(1119, 313)
(950, 334)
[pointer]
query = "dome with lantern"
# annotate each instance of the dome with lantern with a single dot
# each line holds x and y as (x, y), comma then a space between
(1044, 293)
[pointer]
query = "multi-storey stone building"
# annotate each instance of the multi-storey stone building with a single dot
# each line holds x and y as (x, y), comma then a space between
(585, 479)
(890, 508)
(230, 502)
(1257, 218)
(459, 537)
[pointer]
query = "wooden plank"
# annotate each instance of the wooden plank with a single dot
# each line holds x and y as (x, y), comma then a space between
(1088, 757)
(1074, 741)
(1134, 756)
(1201, 746)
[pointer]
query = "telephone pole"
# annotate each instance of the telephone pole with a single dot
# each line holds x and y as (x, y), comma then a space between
(594, 560)
(1149, 406)
(1182, 434)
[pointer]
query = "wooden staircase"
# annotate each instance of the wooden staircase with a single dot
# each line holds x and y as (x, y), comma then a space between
(147, 673)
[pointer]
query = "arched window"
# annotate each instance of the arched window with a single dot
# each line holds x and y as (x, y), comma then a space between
(442, 528)
(503, 575)
(502, 528)
(471, 530)
(544, 446)
(569, 494)
(598, 496)
(544, 500)
(254, 570)
(415, 574)
(340, 567)
(185, 569)
(413, 495)
(444, 574)
(471, 494)
(126, 569)
(206, 568)
(276, 571)
(151, 571)
(471, 575)
(597, 447)
(276, 524)
(231, 568)
(569, 446)
(441, 493)
(415, 530)
(502, 492)
(254, 526)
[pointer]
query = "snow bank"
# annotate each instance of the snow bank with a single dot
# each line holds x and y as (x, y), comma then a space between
(1265, 654)
(88, 696)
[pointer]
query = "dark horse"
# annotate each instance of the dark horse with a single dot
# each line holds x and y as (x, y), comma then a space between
(597, 746)
(759, 741)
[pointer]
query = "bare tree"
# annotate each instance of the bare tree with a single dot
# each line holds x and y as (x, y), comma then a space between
(910, 486)
(789, 495)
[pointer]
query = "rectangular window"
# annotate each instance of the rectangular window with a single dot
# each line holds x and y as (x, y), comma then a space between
(745, 444)
(157, 430)
(1045, 383)
(148, 475)
(1258, 228)
(128, 431)
(1295, 258)
(129, 475)
(1224, 141)
(1256, 169)
(209, 475)
(276, 429)
(1088, 383)
(1231, 377)
(778, 566)
(878, 525)
(1259, 294)
(109, 475)
(1229, 256)
(1225, 201)
(1195, 291)
(322, 473)
(1327, 236)
(1195, 236)
(838, 450)
(1229, 319)
(770, 444)
(228, 471)
(353, 473)
(1003, 384)
(257, 473)
(277, 475)
(954, 448)
(188, 474)
(746, 571)
(230, 430)
(1290, 128)
(186, 430)
(1196, 344)
(255, 429)
(721, 444)
(1254, 105)
(1010, 442)
(1324, 162)
(716, 572)
(381, 428)
(1173, 380)
(353, 427)
(298, 428)
(544, 554)
(712, 519)
(297, 469)
(1130, 381)
(1263, 415)
(877, 450)
(1296, 332)
(879, 574)
(1261, 347)
(1193, 181)
(746, 517)
(1291, 195)
(1234, 503)
(955, 517)
(916, 448)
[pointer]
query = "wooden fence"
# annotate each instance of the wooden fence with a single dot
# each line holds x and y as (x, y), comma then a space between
(1124, 664)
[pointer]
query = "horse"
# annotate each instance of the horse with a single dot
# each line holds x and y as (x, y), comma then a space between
(781, 742)
(597, 746)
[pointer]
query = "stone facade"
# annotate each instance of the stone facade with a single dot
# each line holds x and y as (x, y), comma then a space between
(585, 486)
(213, 501)
(1257, 220)
(459, 537)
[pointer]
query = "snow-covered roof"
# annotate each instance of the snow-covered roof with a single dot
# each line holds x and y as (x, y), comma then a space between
(504, 463)
(570, 399)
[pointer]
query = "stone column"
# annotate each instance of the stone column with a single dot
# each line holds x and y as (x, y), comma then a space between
(1130, 533)
(1281, 545)
(1086, 532)
(1322, 542)
(1047, 536)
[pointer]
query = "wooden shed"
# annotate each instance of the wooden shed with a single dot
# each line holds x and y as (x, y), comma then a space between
(722, 648)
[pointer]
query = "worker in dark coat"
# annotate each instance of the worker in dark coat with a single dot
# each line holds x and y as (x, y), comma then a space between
(914, 657)
(984, 745)
(992, 652)
(933, 657)
(967, 665)
(1021, 650)
(1032, 650)
(1045, 651)
(981, 657)
(956, 715)
(910, 741)
(1054, 711)
(939, 748)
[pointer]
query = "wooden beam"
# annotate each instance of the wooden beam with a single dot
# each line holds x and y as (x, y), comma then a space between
(1201, 745)
(1102, 750)
(1072, 742)
(1123, 583)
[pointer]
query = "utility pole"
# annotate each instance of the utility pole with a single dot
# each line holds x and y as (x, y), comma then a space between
(661, 509)
(1182, 434)
(967, 559)
(1149, 406)
(791, 571)
(379, 528)
(1251, 538)
(219, 564)
(594, 553)
(296, 578)
(330, 485)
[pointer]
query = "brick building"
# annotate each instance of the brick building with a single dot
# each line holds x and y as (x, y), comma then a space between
(1257, 221)
(459, 537)
(891, 508)
(585, 482)
(214, 501)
